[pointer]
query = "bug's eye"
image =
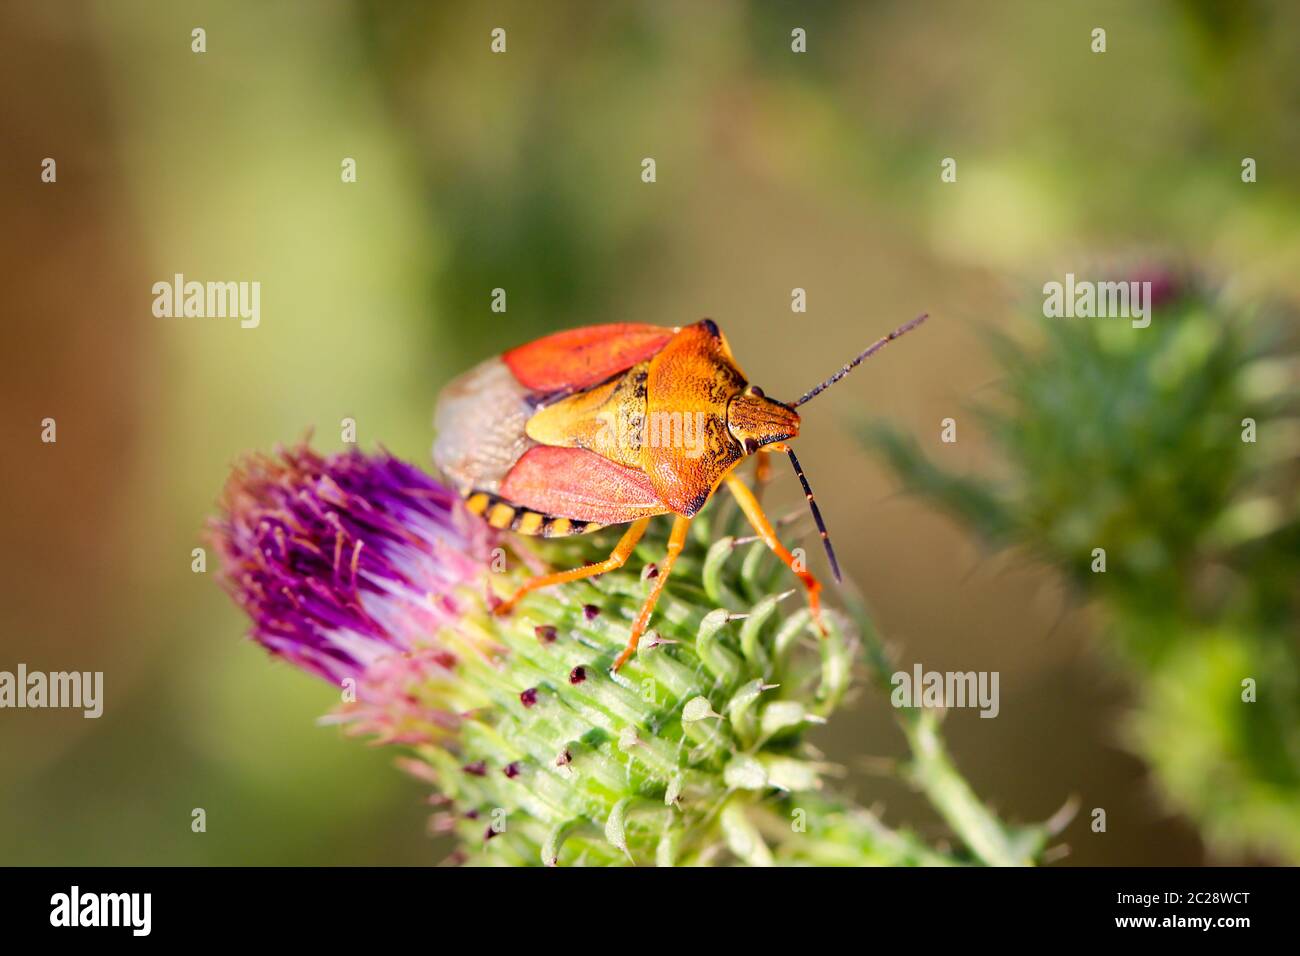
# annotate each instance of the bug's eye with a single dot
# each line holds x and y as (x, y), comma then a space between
(757, 392)
(751, 446)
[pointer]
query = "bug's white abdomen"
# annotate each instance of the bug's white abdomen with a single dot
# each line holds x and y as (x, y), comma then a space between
(480, 420)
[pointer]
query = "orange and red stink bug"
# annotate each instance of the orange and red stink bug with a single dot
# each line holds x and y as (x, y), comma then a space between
(614, 424)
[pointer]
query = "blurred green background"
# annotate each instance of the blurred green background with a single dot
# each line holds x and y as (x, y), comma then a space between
(522, 171)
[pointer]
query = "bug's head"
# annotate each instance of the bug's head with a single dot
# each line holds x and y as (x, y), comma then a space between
(755, 420)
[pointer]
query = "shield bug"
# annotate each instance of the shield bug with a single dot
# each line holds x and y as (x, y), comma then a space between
(613, 425)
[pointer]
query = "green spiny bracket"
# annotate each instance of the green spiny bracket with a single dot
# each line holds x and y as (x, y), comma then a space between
(694, 753)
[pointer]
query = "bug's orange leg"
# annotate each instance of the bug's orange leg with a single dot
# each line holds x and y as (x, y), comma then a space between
(676, 541)
(754, 512)
(622, 551)
(762, 474)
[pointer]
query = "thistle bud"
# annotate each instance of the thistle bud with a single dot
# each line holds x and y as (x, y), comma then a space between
(361, 566)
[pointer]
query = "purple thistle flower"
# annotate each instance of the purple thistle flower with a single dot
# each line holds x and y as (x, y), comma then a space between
(1167, 283)
(347, 561)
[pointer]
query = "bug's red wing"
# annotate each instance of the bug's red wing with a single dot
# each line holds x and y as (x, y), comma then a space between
(581, 485)
(580, 358)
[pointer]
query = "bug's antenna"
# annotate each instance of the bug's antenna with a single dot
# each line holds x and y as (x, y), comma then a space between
(816, 513)
(871, 350)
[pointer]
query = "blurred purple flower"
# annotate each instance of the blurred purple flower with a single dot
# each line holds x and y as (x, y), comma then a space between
(1168, 284)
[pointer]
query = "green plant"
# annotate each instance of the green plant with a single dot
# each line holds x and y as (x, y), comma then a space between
(1155, 468)
(367, 572)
